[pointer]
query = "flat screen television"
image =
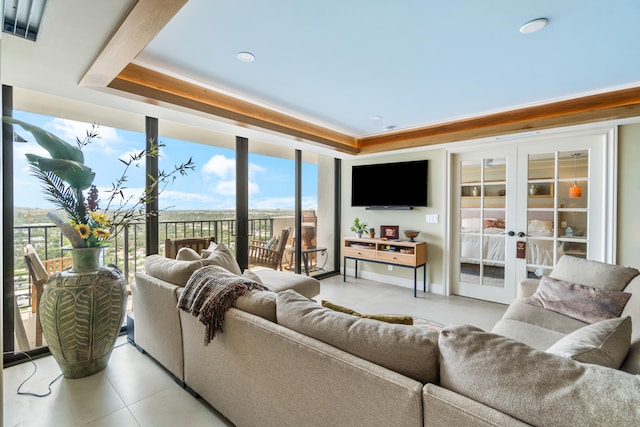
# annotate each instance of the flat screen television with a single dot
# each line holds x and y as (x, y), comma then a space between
(390, 185)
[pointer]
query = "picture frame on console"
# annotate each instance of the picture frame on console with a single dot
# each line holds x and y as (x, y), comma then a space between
(390, 232)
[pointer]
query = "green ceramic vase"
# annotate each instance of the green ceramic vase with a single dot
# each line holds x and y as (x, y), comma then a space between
(81, 311)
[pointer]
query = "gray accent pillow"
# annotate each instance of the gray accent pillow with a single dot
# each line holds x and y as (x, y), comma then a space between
(408, 350)
(577, 301)
(593, 273)
(604, 343)
(536, 387)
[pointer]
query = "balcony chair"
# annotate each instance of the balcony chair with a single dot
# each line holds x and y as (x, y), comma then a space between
(172, 246)
(39, 272)
(269, 253)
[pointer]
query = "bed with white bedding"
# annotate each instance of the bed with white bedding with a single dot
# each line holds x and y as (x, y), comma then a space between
(486, 239)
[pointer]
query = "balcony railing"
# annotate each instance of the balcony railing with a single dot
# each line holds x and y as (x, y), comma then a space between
(127, 249)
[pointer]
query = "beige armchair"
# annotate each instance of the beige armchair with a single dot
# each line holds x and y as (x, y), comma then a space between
(269, 253)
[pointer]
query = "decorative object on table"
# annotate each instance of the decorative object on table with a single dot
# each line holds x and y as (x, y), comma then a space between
(359, 227)
(372, 232)
(533, 189)
(390, 232)
(502, 192)
(411, 234)
(575, 192)
(475, 192)
(81, 309)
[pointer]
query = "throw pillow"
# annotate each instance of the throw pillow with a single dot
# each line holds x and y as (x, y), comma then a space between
(536, 387)
(223, 257)
(172, 270)
(604, 343)
(187, 254)
(389, 318)
(260, 303)
(578, 301)
(272, 242)
(252, 276)
(207, 252)
(593, 273)
(412, 352)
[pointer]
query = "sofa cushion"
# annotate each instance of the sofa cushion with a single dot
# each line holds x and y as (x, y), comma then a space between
(278, 281)
(407, 350)
(536, 336)
(536, 387)
(604, 343)
(389, 318)
(260, 303)
(172, 270)
(577, 301)
(223, 257)
(593, 273)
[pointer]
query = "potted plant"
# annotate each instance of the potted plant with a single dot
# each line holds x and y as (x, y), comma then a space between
(359, 227)
(372, 232)
(82, 308)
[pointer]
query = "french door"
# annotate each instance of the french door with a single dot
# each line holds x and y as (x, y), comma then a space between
(516, 209)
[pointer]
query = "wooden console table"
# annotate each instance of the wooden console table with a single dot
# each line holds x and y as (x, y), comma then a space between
(400, 253)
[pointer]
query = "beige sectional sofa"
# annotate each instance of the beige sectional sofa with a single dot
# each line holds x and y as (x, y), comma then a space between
(285, 360)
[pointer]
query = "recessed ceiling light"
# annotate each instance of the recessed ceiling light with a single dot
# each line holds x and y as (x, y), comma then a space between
(533, 26)
(376, 118)
(245, 56)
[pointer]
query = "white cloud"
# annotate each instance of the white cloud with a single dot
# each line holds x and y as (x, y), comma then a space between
(226, 188)
(255, 169)
(69, 130)
(221, 166)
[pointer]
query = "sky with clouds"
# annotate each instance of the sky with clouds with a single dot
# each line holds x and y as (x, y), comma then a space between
(210, 187)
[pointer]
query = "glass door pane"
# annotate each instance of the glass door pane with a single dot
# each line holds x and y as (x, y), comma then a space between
(557, 207)
(482, 244)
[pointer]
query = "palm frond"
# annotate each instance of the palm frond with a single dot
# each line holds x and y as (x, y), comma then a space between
(60, 195)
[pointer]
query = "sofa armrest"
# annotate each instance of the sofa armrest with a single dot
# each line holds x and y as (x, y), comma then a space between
(444, 407)
(158, 330)
(527, 287)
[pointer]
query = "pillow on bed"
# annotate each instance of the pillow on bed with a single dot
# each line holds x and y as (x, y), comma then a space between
(471, 223)
(540, 227)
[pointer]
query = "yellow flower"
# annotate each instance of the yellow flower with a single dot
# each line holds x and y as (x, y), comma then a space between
(100, 234)
(83, 230)
(100, 218)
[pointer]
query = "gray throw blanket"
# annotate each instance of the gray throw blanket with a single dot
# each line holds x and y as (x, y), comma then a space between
(210, 292)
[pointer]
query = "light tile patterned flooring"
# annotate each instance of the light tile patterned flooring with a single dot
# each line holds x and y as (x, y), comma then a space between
(135, 391)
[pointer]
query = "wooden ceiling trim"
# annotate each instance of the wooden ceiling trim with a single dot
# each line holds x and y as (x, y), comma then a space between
(506, 129)
(143, 22)
(606, 106)
(161, 87)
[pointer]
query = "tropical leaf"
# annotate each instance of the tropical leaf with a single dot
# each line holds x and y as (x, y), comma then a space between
(77, 175)
(57, 148)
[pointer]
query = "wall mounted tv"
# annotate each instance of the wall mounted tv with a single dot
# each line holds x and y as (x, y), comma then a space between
(400, 185)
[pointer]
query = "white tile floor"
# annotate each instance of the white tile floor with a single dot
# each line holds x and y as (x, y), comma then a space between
(134, 391)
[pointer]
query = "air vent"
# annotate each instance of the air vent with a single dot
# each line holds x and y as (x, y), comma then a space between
(23, 18)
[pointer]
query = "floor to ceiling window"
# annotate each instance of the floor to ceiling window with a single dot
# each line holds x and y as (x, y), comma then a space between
(202, 203)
